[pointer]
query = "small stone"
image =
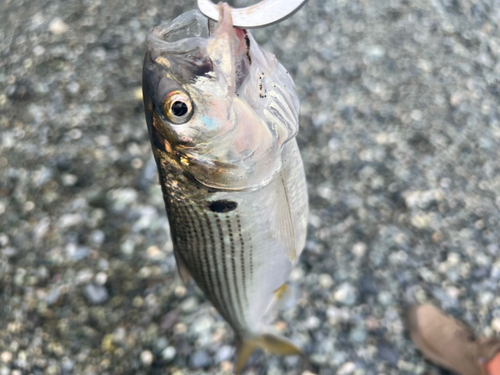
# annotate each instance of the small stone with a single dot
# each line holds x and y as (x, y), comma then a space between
(346, 369)
(168, 353)
(189, 305)
(69, 179)
(84, 276)
(199, 359)
(318, 359)
(38, 50)
(160, 344)
(416, 115)
(385, 298)
(52, 370)
(6, 357)
(437, 236)
(58, 27)
(313, 322)
(137, 163)
(155, 253)
(224, 353)
(375, 52)
(73, 87)
(202, 324)
(388, 354)
(107, 343)
(226, 367)
(495, 324)
(101, 278)
(97, 236)
(147, 358)
(345, 294)
(138, 94)
(53, 295)
(75, 133)
(421, 220)
(359, 249)
(138, 301)
(69, 220)
(485, 298)
(358, 334)
(325, 281)
(96, 294)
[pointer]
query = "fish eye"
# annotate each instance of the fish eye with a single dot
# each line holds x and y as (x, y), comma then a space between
(177, 107)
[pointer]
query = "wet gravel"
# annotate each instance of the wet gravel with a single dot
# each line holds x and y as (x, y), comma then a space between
(400, 135)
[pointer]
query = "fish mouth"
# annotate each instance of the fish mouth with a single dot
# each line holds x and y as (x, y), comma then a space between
(180, 45)
(177, 36)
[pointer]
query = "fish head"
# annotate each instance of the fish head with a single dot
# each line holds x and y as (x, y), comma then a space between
(216, 103)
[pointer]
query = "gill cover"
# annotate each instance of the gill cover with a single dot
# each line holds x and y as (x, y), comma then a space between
(244, 107)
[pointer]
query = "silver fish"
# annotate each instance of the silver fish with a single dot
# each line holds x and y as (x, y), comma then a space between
(222, 116)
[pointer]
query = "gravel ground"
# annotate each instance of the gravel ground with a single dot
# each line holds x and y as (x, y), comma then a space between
(400, 135)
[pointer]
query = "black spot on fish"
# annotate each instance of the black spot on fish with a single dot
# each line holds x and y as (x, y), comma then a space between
(222, 206)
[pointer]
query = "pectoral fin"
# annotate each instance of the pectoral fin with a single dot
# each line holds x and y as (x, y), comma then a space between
(283, 225)
(181, 267)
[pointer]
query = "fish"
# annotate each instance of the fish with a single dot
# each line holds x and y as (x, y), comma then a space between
(222, 116)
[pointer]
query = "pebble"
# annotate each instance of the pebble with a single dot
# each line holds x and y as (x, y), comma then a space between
(189, 305)
(58, 27)
(69, 179)
(225, 353)
(359, 249)
(346, 369)
(6, 357)
(358, 334)
(147, 358)
(160, 344)
(345, 294)
(312, 322)
(495, 324)
(325, 281)
(168, 353)
(199, 359)
(96, 294)
(385, 298)
(101, 278)
(202, 324)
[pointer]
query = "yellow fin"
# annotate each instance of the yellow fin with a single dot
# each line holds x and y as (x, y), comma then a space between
(243, 353)
(281, 291)
(269, 342)
(284, 298)
(181, 267)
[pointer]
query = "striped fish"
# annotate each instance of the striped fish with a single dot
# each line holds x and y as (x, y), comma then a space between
(222, 116)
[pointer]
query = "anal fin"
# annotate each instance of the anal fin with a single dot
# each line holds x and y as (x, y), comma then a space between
(284, 297)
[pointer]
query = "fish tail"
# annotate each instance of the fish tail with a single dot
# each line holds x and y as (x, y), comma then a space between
(269, 342)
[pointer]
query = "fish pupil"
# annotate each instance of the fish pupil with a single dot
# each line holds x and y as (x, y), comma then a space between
(179, 109)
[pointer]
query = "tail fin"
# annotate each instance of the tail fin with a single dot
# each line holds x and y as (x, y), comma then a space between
(269, 342)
